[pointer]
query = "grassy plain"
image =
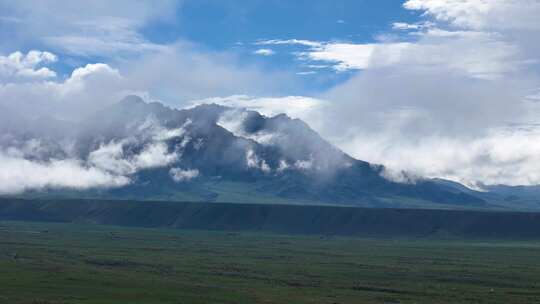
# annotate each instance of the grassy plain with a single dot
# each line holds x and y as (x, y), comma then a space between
(75, 263)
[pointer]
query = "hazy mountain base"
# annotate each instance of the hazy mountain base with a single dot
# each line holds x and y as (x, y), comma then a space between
(256, 192)
(247, 192)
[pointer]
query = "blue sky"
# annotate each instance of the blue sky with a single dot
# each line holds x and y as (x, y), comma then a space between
(235, 27)
(241, 21)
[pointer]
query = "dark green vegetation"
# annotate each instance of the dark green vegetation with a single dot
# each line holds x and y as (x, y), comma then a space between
(286, 219)
(81, 263)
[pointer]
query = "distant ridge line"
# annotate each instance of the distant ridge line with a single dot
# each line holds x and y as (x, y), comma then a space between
(283, 219)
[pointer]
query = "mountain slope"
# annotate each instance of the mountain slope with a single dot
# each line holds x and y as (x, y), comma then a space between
(216, 153)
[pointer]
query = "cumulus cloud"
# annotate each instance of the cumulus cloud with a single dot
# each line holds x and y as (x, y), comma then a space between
(482, 14)
(447, 96)
(109, 166)
(186, 74)
(48, 163)
(86, 90)
(255, 162)
(112, 157)
(153, 151)
(154, 156)
(26, 66)
(507, 156)
(349, 56)
(93, 87)
(435, 97)
(439, 108)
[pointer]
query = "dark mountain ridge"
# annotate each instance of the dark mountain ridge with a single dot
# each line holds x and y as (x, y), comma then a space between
(217, 153)
(284, 219)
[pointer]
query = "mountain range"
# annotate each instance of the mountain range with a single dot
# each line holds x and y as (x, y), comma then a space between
(216, 153)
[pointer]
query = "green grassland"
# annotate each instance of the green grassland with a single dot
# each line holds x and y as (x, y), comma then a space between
(250, 192)
(76, 263)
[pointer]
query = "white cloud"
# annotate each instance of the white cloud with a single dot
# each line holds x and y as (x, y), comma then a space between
(443, 106)
(403, 26)
(253, 161)
(86, 90)
(304, 164)
(482, 14)
(110, 157)
(233, 121)
(294, 106)
(264, 52)
(502, 156)
(283, 165)
(306, 73)
(91, 72)
(303, 42)
(109, 166)
(343, 56)
(36, 164)
(96, 46)
(434, 139)
(482, 55)
(185, 74)
(26, 66)
(18, 174)
(86, 28)
(180, 175)
(439, 99)
(347, 56)
(155, 155)
(493, 38)
(114, 157)
(188, 73)
(440, 92)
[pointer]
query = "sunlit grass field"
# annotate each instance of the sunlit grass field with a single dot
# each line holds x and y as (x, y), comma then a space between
(76, 263)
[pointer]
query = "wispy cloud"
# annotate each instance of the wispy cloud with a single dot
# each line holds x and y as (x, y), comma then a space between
(309, 43)
(19, 174)
(264, 52)
(440, 112)
(95, 28)
(412, 26)
(183, 175)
